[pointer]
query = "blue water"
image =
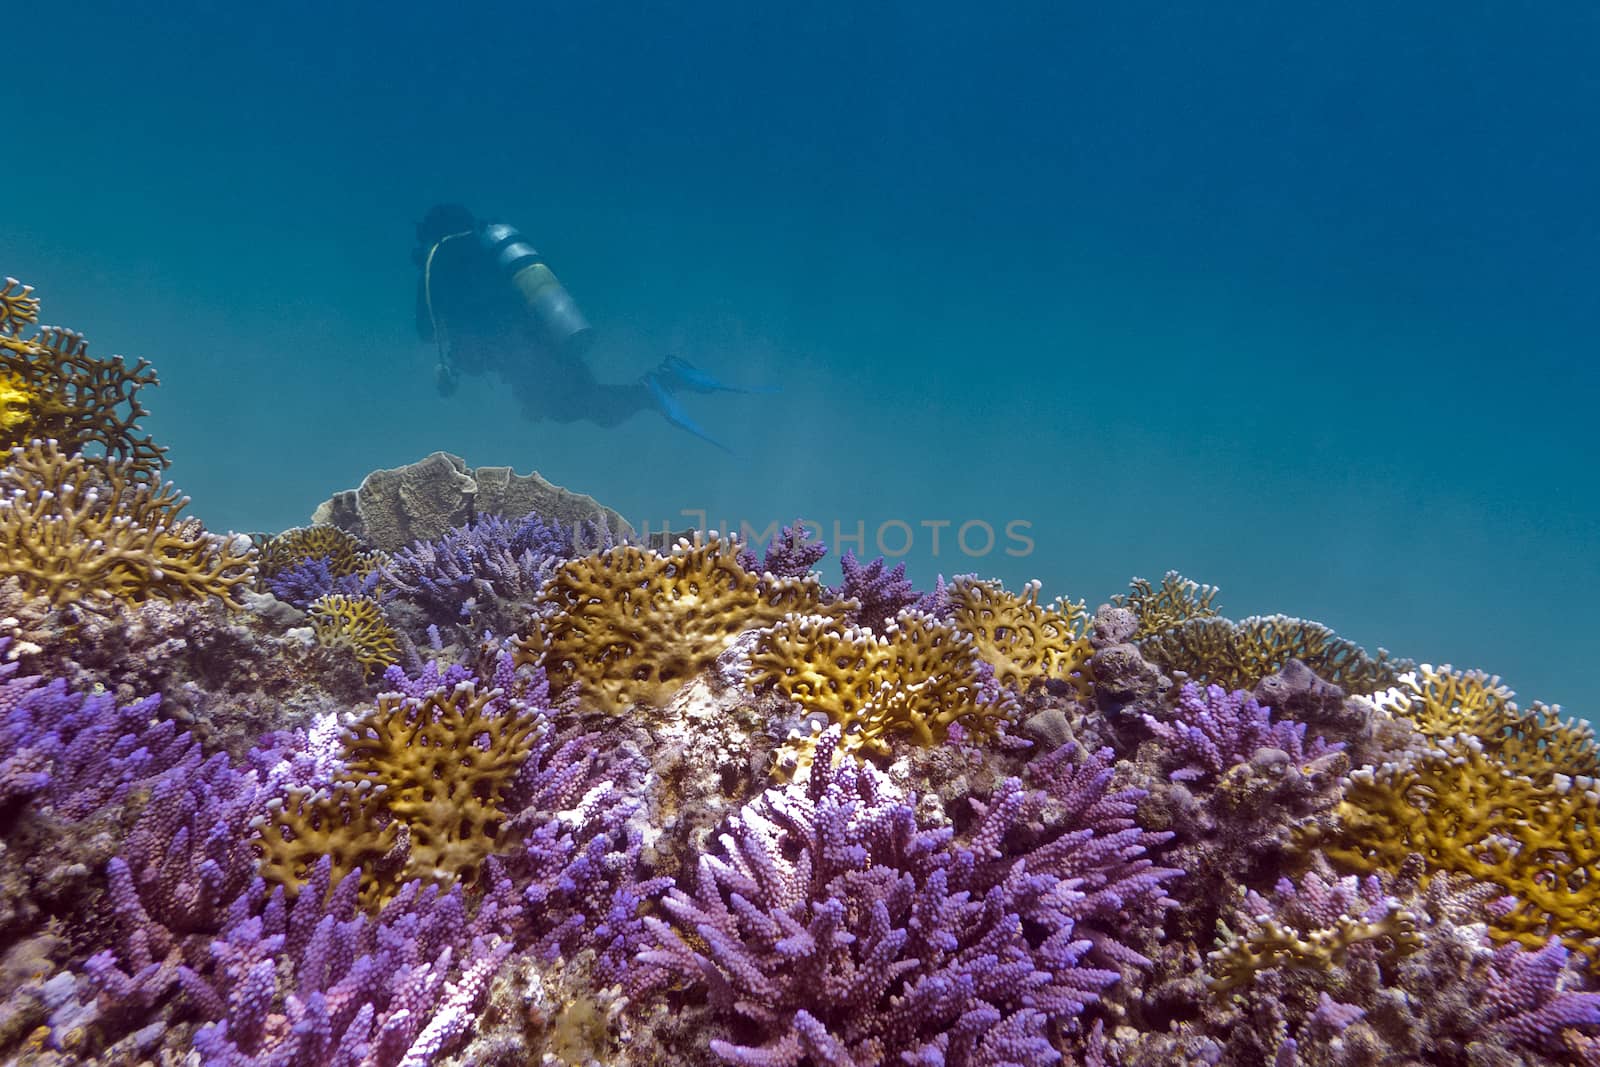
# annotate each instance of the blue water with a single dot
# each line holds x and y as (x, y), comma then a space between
(1296, 298)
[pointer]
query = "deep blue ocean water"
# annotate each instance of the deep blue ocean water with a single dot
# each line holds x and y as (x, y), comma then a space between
(1299, 299)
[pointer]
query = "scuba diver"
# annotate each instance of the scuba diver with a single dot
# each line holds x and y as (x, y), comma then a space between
(490, 303)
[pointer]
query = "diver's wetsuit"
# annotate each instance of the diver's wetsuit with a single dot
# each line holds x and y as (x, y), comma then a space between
(485, 327)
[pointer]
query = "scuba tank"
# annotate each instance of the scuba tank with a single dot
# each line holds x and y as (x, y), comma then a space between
(546, 299)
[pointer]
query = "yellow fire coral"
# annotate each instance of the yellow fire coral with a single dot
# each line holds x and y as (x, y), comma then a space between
(355, 623)
(421, 796)
(437, 778)
(916, 679)
(345, 554)
(1237, 655)
(1176, 602)
(344, 823)
(1464, 811)
(631, 626)
(1024, 643)
(1443, 702)
(76, 532)
(50, 387)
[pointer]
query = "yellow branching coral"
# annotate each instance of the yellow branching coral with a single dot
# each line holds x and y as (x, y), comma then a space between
(1237, 655)
(50, 387)
(18, 307)
(1024, 643)
(918, 678)
(345, 554)
(1443, 702)
(1176, 602)
(420, 797)
(444, 763)
(355, 623)
(1272, 944)
(630, 625)
(76, 532)
(1464, 811)
(345, 823)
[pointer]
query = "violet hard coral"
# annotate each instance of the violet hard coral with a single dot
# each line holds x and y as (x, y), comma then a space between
(832, 927)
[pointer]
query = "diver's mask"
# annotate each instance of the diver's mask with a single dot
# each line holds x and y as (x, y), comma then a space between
(546, 299)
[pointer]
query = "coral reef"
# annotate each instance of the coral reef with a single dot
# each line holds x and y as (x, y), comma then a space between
(464, 774)
(1177, 601)
(1538, 743)
(1025, 644)
(791, 554)
(482, 576)
(1469, 813)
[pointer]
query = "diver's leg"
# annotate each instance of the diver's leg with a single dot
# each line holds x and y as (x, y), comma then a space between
(680, 376)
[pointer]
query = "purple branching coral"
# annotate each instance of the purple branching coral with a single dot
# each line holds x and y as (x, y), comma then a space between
(400, 988)
(1213, 731)
(1534, 996)
(1327, 971)
(1231, 782)
(576, 879)
(301, 583)
(882, 593)
(789, 555)
(487, 560)
(832, 928)
(78, 752)
(200, 935)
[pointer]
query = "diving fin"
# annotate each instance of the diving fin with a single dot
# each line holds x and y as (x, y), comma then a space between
(673, 412)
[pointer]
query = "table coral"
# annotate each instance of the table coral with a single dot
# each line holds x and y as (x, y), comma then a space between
(631, 626)
(74, 532)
